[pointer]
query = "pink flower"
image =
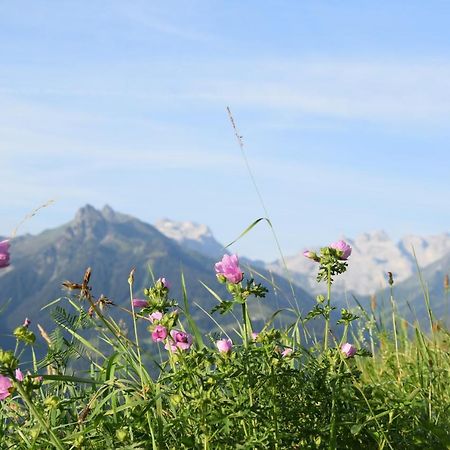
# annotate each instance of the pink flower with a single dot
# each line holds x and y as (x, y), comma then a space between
(159, 333)
(155, 316)
(229, 268)
(138, 303)
(19, 375)
(286, 352)
(224, 345)
(255, 336)
(348, 350)
(5, 386)
(4, 254)
(164, 282)
(311, 255)
(343, 247)
(180, 340)
(26, 322)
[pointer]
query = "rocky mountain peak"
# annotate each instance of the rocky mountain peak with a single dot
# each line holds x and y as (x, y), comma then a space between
(89, 223)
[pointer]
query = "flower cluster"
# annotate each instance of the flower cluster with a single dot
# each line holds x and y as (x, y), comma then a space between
(343, 250)
(163, 322)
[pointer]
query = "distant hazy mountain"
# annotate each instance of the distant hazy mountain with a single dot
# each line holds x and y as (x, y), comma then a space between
(373, 255)
(112, 244)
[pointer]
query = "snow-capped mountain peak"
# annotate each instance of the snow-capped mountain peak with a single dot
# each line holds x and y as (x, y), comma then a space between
(194, 236)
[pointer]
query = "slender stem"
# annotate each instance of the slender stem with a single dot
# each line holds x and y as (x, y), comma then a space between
(56, 442)
(275, 415)
(394, 326)
(244, 317)
(327, 318)
(332, 444)
(136, 337)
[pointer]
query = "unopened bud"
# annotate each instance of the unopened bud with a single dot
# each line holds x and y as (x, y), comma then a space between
(221, 278)
(131, 277)
(122, 434)
(390, 278)
(8, 360)
(311, 255)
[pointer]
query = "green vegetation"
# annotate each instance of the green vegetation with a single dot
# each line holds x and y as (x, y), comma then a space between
(362, 384)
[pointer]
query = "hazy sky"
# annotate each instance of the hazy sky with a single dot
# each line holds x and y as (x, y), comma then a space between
(344, 108)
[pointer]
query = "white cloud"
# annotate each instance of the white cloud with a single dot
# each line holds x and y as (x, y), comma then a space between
(379, 91)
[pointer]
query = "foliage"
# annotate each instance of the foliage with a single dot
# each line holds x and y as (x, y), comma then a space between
(104, 387)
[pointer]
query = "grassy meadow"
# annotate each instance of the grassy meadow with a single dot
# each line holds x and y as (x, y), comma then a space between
(362, 383)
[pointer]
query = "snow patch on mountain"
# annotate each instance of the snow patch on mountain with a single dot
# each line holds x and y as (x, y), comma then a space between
(197, 237)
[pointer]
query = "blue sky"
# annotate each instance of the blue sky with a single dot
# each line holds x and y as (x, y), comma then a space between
(344, 108)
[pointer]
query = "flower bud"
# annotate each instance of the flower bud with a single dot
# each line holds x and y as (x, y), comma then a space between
(224, 345)
(122, 434)
(8, 360)
(221, 278)
(163, 283)
(311, 255)
(138, 303)
(348, 350)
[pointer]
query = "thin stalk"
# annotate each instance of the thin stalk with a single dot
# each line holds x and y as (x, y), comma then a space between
(327, 318)
(332, 443)
(275, 415)
(25, 397)
(244, 317)
(136, 338)
(261, 200)
(394, 327)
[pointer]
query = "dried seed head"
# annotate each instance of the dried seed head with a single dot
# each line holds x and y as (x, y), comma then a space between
(44, 335)
(373, 302)
(390, 278)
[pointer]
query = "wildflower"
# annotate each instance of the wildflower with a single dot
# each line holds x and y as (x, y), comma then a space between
(180, 340)
(159, 333)
(19, 375)
(348, 350)
(311, 255)
(286, 352)
(343, 247)
(229, 268)
(26, 322)
(254, 336)
(164, 282)
(4, 254)
(155, 316)
(224, 345)
(5, 386)
(138, 303)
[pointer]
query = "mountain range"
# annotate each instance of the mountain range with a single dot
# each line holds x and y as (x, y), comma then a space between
(112, 244)
(374, 254)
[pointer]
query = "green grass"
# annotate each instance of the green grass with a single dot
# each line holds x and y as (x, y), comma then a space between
(106, 388)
